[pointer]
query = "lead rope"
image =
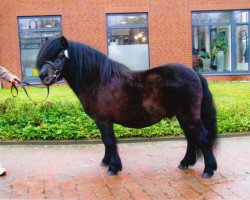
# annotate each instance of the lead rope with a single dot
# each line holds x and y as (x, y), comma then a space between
(24, 84)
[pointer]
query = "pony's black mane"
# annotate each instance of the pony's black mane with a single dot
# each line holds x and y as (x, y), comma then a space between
(84, 63)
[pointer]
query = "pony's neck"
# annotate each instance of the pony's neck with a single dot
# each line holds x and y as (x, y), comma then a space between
(89, 68)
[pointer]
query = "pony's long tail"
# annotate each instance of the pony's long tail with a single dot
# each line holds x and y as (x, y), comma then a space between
(208, 114)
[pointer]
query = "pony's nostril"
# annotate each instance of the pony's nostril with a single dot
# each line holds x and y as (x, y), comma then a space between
(43, 75)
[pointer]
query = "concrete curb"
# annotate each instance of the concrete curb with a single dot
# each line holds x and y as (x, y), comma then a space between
(121, 140)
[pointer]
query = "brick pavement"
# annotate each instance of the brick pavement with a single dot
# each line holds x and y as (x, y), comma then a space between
(149, 172)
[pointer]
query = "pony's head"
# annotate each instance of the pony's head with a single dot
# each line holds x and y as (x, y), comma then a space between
(51, 59)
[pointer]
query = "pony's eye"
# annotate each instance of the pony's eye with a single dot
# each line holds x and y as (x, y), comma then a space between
(61, 55)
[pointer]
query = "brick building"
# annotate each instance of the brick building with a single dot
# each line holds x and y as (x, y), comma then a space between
(159, 31)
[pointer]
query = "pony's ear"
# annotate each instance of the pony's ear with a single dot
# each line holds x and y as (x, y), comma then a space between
(64, 43)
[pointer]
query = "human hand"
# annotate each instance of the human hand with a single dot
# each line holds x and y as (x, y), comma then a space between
(14, 79)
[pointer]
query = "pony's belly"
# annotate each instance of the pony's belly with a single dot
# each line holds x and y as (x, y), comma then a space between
(137, 123)
(141, 118)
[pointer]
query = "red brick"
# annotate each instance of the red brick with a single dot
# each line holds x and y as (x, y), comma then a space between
(68, 184)
(133, 187)
(20, 186)
(97, 181)
(103, 191)
(120, 192)
(140, 196)
(70, 194)
(19, 194)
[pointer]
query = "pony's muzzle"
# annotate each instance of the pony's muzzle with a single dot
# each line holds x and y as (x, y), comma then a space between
(46, 77)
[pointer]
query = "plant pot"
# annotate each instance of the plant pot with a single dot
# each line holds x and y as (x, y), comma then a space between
(220, 61)
(206, 64)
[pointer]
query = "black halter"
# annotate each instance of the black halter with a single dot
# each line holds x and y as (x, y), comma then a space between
(57, 69)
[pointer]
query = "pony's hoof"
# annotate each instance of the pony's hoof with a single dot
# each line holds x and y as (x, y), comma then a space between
(104, 164)
(110, 173)
(181, 166)
(207, 174)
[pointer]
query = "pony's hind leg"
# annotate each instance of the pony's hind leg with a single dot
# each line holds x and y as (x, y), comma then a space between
(111, 156)
(210, 162)
(206, 146)
(189, 130)
(197, 139)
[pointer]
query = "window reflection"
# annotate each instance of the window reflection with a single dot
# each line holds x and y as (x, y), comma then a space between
(128, 36)
(213, 17)
(242, 48)
(212, 48)
(39, 23)
(128, 19)
(128, 40)
(221, 43)
(241, 16)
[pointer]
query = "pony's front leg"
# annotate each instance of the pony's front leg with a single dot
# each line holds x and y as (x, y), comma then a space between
(111, 156)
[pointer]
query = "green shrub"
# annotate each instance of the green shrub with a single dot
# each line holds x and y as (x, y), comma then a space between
(61, 120)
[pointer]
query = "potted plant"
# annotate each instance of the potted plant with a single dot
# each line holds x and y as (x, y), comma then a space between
(206, 60)
(220, 45)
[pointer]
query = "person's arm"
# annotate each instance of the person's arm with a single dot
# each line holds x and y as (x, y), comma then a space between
(7, 76)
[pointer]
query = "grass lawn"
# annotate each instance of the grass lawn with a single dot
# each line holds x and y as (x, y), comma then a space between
(61, 116)
(223, 92)
(230, 92)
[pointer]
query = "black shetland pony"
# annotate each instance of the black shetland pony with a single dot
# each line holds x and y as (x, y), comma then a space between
(111, 93)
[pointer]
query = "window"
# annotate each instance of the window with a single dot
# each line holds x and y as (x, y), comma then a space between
(221, 41)
(33, 31)
(128, 39)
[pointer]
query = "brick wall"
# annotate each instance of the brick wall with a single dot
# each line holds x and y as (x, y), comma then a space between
(228, 78)
(170, 38)
(219, 4)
